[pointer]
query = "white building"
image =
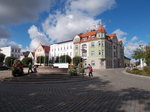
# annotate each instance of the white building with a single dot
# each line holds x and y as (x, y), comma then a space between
(32, 55)
(62, 48)
(11, 51)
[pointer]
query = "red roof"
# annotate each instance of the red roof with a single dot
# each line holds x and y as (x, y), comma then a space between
(93, 33)
(88, 34)
(111, 35)
(46, 48)
(101, 29)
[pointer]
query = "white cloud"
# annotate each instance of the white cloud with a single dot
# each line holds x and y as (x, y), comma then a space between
(67, 26)
(134, 38)
(76, 18)
(91, 7)
(130, 47)
(37, 38)
(6, 42)
(121, 35)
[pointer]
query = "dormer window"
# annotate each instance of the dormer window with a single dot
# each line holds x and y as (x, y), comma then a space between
(92, 36)
(84, 39)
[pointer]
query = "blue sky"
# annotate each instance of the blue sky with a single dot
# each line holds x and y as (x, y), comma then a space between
(48, 21)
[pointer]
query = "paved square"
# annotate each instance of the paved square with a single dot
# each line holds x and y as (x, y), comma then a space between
(109, 91)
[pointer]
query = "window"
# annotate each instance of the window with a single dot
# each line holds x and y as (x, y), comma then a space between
(103, 43)
(92, 44)
(84, 39)
(99, 52)
(98, 35)
(12, 50)
(93, 63)
(70, 47)
(70, 53)
(102, 52)
(76, 47)
(92, 36)
(76, 54)
(92, 53)
(99, 43)
(114, 54)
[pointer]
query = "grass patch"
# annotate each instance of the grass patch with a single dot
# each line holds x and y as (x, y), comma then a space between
(144, 72)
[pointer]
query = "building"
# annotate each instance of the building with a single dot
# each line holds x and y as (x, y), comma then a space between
(11, 51)
(126, 61)
(41, 50)
(99, 49)
(24, 54)
(32, 55)
(62, 48)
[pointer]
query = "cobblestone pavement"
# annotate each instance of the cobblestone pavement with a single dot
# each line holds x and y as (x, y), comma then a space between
(108, 91)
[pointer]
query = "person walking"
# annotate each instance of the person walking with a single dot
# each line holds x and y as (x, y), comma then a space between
(30, 68)
(90, 71)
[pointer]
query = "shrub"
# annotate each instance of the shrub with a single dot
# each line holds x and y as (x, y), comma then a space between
(77, 60)
(136, 71)
(64, 59)
(9, 61)
(4, 68)
(26, 61)
(73, 71)
(17, 69)
(147, 69)
(2, 57)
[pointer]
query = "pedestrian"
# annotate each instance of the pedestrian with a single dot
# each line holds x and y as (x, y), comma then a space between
(35, 68)
(30, 68)
(90, 71)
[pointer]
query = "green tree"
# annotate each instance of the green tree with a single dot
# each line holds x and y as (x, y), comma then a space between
(46, 60)
(57, 59)
(52, 60)
(9, 61)
(147, 54)
(26, 61)
(65, 59)
(77, 60)
(138, 54)
(2, 57)
(40, 59)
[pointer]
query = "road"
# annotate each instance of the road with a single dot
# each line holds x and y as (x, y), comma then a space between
(109, 91)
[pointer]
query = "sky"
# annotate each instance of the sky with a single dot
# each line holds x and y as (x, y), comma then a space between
(27, 23)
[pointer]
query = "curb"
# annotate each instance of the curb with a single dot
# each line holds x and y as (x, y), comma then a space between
(135, 75)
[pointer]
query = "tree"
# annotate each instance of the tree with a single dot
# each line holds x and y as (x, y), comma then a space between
(52, 60)
(147, 54)
(65, 59)
(138, 54)
(9, 61)
(26, 61)
(77, 60)
(46, 60)
(57, 59)
(40, 59)
(2, 57)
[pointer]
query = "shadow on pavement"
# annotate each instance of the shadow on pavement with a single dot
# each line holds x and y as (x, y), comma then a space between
(94, 95)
